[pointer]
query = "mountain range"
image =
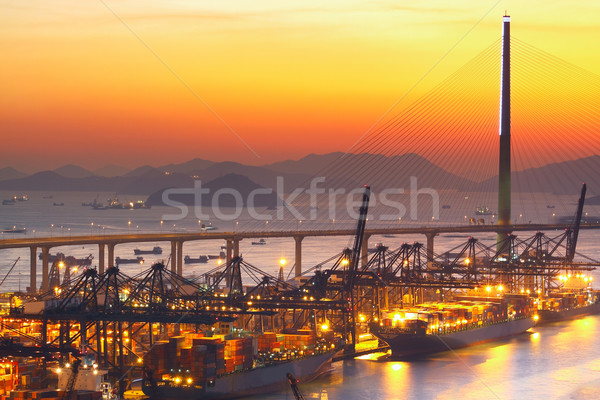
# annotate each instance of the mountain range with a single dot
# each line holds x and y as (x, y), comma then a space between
(347, 171)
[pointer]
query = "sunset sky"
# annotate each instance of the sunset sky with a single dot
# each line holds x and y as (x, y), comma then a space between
(154, 82)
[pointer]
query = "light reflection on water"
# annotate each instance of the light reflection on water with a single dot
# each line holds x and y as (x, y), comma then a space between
(560, 360)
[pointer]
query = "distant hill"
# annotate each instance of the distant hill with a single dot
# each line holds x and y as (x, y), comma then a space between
(260, 175)
(10, 173)
(311, 164)
(341, 171)
(111, 170)
(73, 171)
(143, 170)
(51, 181)
(348, 171)
(231, 182)
(188, 167)
(559, 178)
(152, 181)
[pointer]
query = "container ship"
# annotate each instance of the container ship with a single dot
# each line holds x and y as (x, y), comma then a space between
(467, 320)
(221, 368)
(575, 299)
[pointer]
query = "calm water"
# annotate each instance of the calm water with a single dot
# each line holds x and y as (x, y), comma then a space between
(556, 361)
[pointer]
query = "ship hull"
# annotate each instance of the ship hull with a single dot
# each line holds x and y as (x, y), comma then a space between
(406, 345)
(247, 383)
(548, 316)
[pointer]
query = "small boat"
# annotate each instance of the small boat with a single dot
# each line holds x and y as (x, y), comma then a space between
(200, 259)
(137, 260)
(14, 229)
(446, 206)
(155, 250)
(22, 198)
(47, 196)
(549, 205)
(59, 204)
(9, 202)
(213, 257)
(259, 243)
(484, 211)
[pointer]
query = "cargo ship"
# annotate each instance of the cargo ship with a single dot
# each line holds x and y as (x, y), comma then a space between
(192, 260)
(219, 368)
(258, 380)
(467, 320)
(575, 299)
(155, 250)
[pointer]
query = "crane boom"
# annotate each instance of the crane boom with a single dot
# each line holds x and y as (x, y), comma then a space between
(577, 224)
(353, 266)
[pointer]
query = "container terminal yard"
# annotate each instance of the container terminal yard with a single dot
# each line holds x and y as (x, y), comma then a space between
(158, 334)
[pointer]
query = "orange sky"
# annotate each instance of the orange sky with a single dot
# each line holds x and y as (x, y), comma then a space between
(290, 78)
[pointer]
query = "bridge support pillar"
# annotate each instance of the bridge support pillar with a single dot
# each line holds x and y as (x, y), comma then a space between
(229, 250)
(298, 256)
(101, 252)
(174, 257)
(45, 269)
(180, 258)
(364, 252)
(236, 247)
(32, 269)
(111, 255)
(430, 236)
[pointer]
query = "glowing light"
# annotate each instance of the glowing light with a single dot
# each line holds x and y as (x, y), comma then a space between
(536, 317)
(396, 366)
(535, 336)
(282, 261)
(500, 288)
(467, 261)
(488, 289)
(189, 381)
(324, 327)
(361, 317)
(345, 261)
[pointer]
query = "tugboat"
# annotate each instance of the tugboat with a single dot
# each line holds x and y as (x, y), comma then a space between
(260, 242)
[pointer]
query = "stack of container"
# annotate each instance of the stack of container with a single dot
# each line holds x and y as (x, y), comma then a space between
(270, 341)
(158, 357)
(239, 354)
(304, 340)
